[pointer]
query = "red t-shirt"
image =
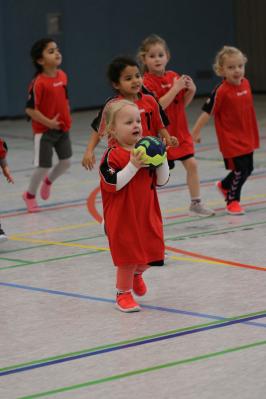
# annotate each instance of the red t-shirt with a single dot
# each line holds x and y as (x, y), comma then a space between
(178, 126)
(151, 119)
(234, 117)
(132, 215)
(49, 96)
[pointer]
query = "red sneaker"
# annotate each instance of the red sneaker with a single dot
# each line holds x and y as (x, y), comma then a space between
(139, 286)
(221, 190)
(31, 204)
(234, 208)
(126, 303)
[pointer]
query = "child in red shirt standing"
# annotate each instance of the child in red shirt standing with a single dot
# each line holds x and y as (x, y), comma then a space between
(173, 93)
(231, 104)
(125, 77)
(131, 211)
(48, 108)
(6, 173)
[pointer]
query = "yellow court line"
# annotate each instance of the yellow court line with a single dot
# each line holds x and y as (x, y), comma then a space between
(83, 246)
(68, 227)
(59, 243)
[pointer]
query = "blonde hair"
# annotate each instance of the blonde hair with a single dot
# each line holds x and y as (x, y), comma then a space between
(145, 45)
(226, 51)
(111, 111)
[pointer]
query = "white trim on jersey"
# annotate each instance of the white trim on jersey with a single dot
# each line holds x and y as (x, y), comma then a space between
(37, 143)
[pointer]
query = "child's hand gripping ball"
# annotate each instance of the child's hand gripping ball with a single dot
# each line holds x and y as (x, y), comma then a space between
(153, 149)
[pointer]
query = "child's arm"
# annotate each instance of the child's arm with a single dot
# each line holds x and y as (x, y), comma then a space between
(190, 90)
(128, 172)
(89, 160)
(200, 123)
(178, 85)
(37, 116)
(6, 171)
(169, 140)
(162, 174)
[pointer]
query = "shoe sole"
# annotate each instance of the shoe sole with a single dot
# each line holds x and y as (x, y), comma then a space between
(192, 213)
(235, 213)
(131, 310)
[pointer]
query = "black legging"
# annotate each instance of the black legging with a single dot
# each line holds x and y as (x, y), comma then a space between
(234, 182)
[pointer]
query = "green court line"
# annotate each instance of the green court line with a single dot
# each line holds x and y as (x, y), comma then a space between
(144, 370)
(134, 340)
(214, 231)
(49, 260)
(15, 260)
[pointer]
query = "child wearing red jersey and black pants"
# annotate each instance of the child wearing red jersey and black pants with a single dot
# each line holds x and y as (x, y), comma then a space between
(132, 216)
(124, 76)
(6, 173)
(231, 104)
(48, 108)
(174, 93)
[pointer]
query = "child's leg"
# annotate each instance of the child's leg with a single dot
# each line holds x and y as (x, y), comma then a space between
(124, 278)
(234, 181)
(63, 149)
(193, 182)
(29, 195)
(35, 180)
(139, 286)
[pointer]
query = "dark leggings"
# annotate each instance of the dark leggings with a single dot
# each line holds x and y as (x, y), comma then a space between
(242, 168)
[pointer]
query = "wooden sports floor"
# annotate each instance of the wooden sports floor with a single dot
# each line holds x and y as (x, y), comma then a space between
(201, 333)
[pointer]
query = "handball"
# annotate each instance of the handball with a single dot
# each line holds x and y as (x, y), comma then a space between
(153, 150)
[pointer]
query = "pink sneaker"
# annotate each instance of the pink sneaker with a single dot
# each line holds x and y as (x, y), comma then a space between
(31, 203)
(221, 190)
(139, 286)
(126, 303)
(45, 189)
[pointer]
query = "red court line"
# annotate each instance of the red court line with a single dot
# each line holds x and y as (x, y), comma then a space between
(91, 200)
(225, 262)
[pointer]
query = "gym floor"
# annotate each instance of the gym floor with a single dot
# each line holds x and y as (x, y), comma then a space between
(201, 333)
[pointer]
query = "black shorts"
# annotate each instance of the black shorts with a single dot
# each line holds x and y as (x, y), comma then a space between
(44, 143)
(243, 162)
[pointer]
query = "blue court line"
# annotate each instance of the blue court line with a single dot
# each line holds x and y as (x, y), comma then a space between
(134, 344)
(100, 299)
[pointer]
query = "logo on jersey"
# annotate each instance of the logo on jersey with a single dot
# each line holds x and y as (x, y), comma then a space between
(242, 93)
(58, 84)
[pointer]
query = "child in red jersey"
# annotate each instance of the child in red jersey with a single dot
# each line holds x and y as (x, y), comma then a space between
(231, 104)
(48, 108)
(125, 77)
(174, 93)
(6, 173)
(131, 211)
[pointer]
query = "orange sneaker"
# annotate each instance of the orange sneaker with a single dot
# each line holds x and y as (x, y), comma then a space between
(221, 190)
(139, 286)
(126, 303)
(234, 208)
